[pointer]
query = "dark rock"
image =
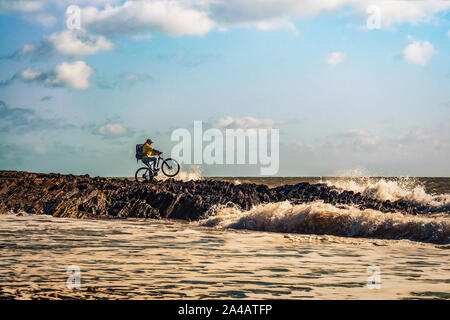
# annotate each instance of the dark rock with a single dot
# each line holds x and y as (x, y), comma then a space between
(83, 196)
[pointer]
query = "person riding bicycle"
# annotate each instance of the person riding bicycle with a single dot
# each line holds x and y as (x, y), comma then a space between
(149, 153)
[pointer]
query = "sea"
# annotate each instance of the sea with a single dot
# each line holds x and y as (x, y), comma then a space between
(272, 251)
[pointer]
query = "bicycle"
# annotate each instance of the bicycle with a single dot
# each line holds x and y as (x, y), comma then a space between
(170, 167)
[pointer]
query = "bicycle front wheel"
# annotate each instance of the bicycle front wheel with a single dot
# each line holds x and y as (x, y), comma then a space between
(170, 167)
(143, 175)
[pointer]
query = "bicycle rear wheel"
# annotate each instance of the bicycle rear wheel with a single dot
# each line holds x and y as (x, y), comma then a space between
(170, 167)
(143, 175)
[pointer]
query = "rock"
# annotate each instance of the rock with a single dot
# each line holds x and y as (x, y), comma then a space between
(82, 196)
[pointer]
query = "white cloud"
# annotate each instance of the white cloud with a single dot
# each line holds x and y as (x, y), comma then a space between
(71, 75)
(169, 17)
(47, 20)
(244, 123)
(197, 17)
(37, 5)
(73, 43)
(437, 137)
(29, 75)
(419, 52)
(277, 24)
(355, 140)
(236, 12)
(413, 12)
(232, 12)
(112, 129)
(418, 151)
(67, 43)
(20, 5)
(26, 49)
(335, 58)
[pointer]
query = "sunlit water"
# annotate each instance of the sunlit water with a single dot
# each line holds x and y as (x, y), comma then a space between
(151, 259)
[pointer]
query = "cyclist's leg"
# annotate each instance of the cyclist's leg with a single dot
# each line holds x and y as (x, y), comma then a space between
(150, 162)
(153, 161)
(145, 160)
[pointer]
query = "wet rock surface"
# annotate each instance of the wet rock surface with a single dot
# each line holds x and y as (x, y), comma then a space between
(84, 197)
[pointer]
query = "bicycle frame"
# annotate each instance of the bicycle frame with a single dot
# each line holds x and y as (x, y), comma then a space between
(157, 167)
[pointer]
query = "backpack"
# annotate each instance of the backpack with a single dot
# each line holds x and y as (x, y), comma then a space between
(139, 152)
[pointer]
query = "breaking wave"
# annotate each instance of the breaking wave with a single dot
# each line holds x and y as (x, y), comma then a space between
(321, 218)
(192, 173)
(407, 189)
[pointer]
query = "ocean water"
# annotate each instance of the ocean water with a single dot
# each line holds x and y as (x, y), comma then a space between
(274, 250)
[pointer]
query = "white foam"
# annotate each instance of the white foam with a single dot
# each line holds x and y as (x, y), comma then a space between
(321, 218)
(191, 173)
(405, 188)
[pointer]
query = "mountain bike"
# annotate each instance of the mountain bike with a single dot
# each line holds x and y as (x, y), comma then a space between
(170, 167)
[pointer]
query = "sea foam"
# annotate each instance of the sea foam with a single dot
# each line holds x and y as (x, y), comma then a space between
(322, 218)
(407, 189)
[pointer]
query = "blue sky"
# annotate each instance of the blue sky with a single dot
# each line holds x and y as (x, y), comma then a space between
(344, 97)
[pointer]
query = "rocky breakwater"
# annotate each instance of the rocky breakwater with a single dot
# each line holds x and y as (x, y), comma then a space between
(86, 197)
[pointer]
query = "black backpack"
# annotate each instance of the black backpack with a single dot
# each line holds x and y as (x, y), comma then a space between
(139, 152)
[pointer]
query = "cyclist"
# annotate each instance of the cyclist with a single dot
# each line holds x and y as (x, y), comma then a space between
(149, 154)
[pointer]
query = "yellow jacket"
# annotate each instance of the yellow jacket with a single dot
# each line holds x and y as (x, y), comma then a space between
(147, 149)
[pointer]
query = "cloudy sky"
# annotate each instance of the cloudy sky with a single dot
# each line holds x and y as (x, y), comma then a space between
(352, 85)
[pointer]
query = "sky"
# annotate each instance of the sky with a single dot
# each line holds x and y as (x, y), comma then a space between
(353, 86)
